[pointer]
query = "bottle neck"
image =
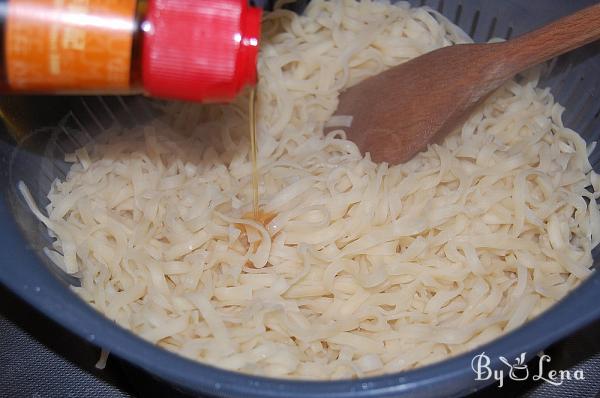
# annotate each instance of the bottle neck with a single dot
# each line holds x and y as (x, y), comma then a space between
(199, 51)
(136, 47)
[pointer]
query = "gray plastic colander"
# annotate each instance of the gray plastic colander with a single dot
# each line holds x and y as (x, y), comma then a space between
(37, 160)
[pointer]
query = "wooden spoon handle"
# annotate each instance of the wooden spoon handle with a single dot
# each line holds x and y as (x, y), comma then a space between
(556, 38)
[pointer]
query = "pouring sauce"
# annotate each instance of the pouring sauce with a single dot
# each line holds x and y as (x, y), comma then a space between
(253, 153)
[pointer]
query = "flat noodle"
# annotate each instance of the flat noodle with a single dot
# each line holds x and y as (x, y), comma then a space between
(363, 268)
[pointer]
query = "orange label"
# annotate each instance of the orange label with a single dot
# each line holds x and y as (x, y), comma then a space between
(69, 45)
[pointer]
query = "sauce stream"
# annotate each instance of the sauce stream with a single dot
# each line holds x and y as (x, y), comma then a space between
(253, 152)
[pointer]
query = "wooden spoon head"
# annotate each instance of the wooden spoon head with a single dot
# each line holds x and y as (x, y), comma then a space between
(398, 112)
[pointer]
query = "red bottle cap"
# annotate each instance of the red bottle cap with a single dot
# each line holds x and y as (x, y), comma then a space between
(199, 50)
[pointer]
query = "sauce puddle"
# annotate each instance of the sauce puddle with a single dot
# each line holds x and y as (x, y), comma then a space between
(264, 219)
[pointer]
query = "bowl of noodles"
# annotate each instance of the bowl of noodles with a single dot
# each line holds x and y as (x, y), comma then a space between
(126, 220)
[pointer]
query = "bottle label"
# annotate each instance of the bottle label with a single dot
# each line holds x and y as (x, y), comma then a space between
(69, 45)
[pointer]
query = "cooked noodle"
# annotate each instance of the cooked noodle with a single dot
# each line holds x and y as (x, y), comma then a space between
(365, 268)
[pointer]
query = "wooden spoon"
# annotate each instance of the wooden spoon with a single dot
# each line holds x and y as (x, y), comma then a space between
(398, 112)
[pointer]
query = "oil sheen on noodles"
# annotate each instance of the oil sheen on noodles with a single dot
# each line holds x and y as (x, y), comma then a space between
(365, 268)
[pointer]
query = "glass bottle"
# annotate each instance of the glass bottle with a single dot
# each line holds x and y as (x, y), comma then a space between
(199, 50)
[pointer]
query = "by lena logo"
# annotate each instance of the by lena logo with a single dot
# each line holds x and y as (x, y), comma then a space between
(518, 370)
